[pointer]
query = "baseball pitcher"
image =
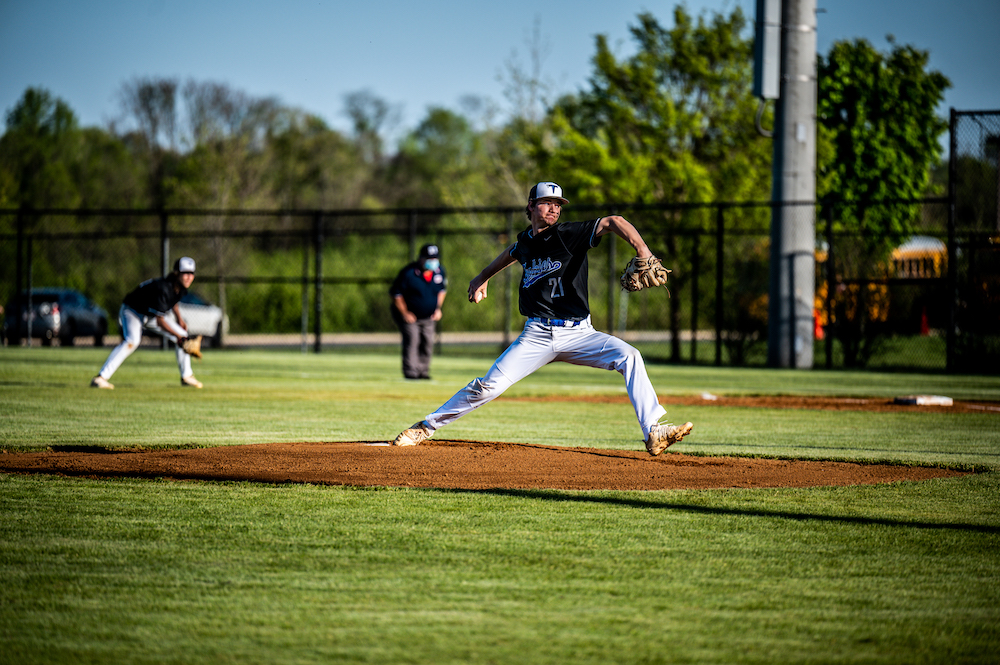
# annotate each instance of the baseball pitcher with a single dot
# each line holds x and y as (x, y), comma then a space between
(553, 296)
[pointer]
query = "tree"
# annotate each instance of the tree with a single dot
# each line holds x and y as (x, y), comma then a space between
(228, 164)
(879, 110)
(672, 123)
(148, 124)
(527, 89)
(106, 173)
(152, 105)
(529, 94)
(315, 166)
(372, 118)
(37, 150)
(47, 161)
(440, 163)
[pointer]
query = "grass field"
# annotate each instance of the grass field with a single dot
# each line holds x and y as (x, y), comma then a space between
(155, 571)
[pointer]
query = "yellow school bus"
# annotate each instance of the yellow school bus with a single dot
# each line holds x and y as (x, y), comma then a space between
(920, 257)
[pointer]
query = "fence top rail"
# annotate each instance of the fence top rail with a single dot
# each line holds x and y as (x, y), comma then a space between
(372, 212)
(961, 113)
(962, 237)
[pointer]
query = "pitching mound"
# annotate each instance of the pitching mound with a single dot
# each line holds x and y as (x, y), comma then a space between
(460, 465)
(486, 465)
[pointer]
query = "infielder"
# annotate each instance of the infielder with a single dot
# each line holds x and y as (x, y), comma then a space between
(553, 295)
(147, 306)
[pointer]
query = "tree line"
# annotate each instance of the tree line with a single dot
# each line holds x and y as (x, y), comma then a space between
(671, 122)
(674, 121)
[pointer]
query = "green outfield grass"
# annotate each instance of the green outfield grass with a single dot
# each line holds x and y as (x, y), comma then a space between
(152, 571)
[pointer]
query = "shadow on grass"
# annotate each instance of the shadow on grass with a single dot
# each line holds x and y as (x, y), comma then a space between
(559, 495)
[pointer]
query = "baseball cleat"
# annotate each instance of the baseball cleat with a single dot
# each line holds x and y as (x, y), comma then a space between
(190, 381)
(100, 382)
(663, 436)
(415, 434)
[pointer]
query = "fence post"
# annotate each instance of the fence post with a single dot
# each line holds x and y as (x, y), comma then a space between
(508, 289)
(318, 282)
(305, 293)
(719, 306)
(695, 269)
(952, 283)
(831, 279)
(164, 243)
(612, 283)
(438, 340)
(20, 250)
(164, 257)
(673, 309)
(29, 306)
(413, 236)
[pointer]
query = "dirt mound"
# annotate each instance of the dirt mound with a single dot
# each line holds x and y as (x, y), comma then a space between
(460, 465)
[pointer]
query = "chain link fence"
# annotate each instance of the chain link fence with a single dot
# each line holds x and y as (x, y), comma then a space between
(320, 279)
(974, 242)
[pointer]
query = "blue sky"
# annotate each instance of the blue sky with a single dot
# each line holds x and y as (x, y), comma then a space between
(311, 53)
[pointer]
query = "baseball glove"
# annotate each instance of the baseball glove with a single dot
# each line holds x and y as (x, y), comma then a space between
(644, 273)
(192, 346)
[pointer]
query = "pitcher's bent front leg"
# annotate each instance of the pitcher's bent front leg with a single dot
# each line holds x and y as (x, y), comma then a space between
(609, 352)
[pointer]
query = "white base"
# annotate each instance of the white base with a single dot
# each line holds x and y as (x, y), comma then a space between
(925, 400)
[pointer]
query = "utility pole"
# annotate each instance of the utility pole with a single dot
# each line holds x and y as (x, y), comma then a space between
(793, 215)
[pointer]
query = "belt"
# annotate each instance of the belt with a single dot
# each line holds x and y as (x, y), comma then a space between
(566, 323)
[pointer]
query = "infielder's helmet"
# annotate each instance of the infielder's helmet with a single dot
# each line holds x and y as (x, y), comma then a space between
(184, 264)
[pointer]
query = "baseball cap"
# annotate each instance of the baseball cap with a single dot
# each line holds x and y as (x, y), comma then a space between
(547, 190)
(429, 251)
(184, 264)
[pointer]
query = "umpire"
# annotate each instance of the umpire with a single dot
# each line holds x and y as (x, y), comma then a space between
(417, 295)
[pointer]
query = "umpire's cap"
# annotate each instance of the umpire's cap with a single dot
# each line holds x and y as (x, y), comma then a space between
(547, 190)
(429, 252)
(184, 264)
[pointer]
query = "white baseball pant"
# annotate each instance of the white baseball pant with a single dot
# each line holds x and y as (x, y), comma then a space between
(540, 344)
(132, 324)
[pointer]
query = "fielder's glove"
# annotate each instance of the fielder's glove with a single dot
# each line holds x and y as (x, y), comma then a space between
(640, 274)
(192, 346)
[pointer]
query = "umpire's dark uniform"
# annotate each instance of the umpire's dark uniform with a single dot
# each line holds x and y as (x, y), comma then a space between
(417, 295)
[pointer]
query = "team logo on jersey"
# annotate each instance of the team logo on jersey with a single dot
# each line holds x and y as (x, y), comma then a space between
(539, 268)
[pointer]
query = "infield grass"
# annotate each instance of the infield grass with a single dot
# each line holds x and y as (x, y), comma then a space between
(112, 571)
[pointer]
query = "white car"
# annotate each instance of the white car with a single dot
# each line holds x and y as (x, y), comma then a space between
(204, 318)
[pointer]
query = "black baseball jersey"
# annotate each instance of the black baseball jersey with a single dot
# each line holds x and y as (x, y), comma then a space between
(154, 297)
(554, 284)
(419, 288)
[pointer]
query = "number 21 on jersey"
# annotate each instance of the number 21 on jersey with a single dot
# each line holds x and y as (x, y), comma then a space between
(557, 287)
